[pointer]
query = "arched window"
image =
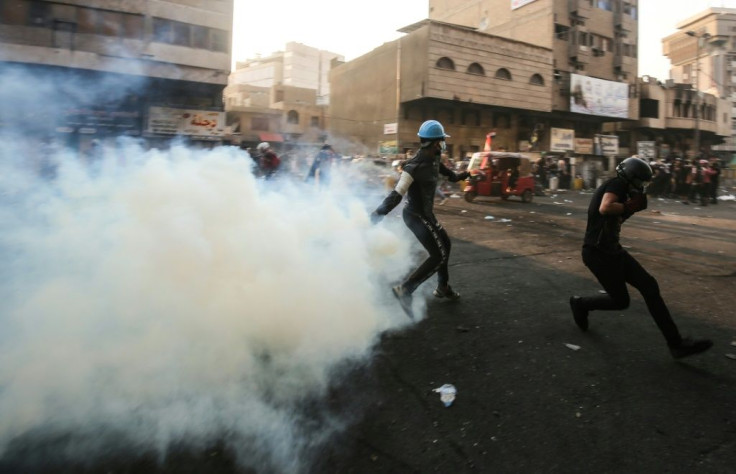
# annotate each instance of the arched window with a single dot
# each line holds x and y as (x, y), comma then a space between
(537, 80)
(292, 117)
(476, 68)
(504, 74)
(445, 63)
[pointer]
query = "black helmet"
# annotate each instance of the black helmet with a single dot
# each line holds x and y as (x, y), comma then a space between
(634, 171)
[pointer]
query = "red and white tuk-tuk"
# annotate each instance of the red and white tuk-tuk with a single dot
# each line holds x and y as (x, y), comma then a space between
(500, 174)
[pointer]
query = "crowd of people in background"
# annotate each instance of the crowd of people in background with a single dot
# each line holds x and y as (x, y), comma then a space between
(690, 181)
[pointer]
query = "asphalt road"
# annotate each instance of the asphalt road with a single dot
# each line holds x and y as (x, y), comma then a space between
(526, 401)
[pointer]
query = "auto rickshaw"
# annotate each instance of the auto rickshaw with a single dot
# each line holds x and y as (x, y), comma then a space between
(500, 174)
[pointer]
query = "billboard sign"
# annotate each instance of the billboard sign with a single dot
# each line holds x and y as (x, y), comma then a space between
(562, 139)
(592, 96)
(195, 123)
(520, 3)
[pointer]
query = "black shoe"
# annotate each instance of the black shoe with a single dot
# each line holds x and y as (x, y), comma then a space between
(446, 292)
(579, 314)
(690, 347)
(404, 298)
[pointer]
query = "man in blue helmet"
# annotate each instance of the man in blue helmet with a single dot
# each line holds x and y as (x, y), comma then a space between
(418, 181)
(613, 203)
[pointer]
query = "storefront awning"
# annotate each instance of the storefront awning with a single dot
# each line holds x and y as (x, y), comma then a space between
(271, 137)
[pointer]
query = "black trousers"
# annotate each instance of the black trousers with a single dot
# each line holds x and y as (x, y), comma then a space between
(435, 240)
(614, 271)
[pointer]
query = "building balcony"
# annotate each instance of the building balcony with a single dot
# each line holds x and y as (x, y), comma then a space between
(580, 9)
(688, 123)
(580, 54)
(625, 63)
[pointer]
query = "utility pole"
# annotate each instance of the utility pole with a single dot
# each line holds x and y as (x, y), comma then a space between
(696, 137)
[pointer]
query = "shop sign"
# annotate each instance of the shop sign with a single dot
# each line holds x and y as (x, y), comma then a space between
(606, 145)
(202, 124)
(90, 121)
(584, 146)
(562, 139)
(646, 150)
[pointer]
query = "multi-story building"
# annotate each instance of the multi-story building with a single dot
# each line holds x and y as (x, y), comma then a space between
(594, 38)
(703, 54)
(472, 82)
(298, 65)
(284, 116)
(148, 68)
(667, 122)
(281, 98)
(583, 55)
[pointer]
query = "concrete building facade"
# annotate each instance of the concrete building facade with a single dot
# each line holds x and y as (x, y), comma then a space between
(472, 82)
(667, 120)
(702, 54)
(595, 38)
(161, 65)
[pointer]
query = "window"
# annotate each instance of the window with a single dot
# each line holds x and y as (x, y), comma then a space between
(562, 32)
(630, 10)
(133, 26)
(259, 123)
(38, 13)
(649, 108)
(536, 80)
(180, 33)
(110, 23)
(504, 74)
(13, 12)
(219, 41)
(314, 122)
(200, 37)
(604, 5)
(162, 30)
(476, 68)
(87, 21)
(292, 117)
(279, 96)
(445, 63)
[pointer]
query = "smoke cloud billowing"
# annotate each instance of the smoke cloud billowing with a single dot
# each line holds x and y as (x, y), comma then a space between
(171, 296)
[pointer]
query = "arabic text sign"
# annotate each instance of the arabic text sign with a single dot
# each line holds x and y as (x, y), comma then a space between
(170, 121)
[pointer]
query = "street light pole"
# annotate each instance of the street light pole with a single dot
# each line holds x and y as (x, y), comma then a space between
(697, 87)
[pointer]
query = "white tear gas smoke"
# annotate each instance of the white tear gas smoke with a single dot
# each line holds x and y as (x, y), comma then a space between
(178, 297)
(171, 296)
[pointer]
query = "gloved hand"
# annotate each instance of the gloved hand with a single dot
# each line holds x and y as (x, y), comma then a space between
(376, 217)
(636, 202)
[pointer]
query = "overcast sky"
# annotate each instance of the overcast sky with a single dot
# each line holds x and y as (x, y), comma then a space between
(354, 28)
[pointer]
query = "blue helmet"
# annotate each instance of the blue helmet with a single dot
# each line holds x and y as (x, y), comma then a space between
(432, 130)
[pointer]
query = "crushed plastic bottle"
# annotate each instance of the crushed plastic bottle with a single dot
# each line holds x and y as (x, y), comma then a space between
(447, 393)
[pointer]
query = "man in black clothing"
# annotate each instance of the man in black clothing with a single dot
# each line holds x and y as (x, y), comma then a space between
(418, 179)
(612, 203)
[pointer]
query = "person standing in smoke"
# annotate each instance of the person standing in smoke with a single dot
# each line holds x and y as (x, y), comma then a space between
(418, 181)
(323, 163)
(268, 162)
(612, 204)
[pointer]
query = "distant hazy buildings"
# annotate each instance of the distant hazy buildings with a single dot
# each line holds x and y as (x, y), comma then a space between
(147, 68)
(703, 54)
(281, 98)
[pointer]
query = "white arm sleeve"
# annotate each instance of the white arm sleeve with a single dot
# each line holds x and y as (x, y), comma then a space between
(404, 182)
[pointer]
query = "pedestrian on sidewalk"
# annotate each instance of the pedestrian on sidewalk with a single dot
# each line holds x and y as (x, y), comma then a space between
(613, 203)
(418, 181)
